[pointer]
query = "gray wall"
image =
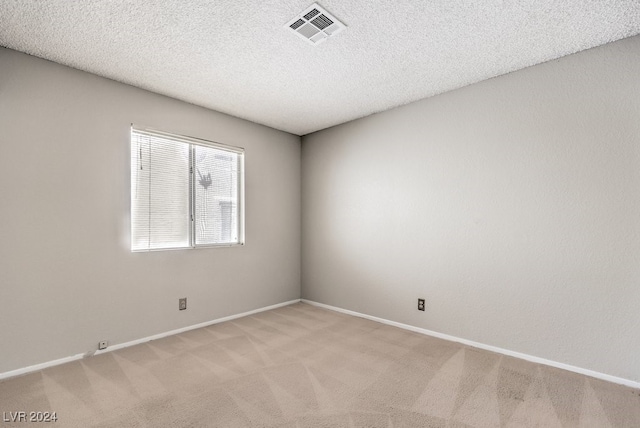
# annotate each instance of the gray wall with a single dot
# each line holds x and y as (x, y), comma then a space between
(512, 206)
(67, 276)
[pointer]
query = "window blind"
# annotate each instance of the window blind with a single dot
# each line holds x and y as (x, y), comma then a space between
(183, 194)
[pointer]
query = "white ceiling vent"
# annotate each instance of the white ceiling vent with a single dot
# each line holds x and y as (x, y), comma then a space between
(315, 25)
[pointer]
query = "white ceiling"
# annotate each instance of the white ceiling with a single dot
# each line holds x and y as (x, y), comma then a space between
(235, 56)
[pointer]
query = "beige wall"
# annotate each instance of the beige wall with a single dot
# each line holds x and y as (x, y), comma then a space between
(67, 276)
(512, 206)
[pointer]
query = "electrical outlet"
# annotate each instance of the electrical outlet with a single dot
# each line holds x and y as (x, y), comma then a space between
(421, 304)
(182, 304)
(103, 344)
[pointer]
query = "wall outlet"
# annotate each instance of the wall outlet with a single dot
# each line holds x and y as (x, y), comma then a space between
(182, 304)
(103, 344)
(421, 304)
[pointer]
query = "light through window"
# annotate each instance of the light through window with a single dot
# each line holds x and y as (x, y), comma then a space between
(185, 193)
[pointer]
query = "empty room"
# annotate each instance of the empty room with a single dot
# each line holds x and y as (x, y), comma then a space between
(335, 214)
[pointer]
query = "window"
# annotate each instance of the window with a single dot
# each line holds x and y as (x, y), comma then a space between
(185, 193)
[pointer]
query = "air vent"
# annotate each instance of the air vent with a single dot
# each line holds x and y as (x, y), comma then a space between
(297, 24)
(311, 14)
(315, 25)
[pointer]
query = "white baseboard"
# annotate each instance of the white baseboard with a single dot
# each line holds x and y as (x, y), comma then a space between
(597, 375)
(36, 367)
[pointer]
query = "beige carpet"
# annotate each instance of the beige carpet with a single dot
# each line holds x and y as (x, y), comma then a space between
(302, 366)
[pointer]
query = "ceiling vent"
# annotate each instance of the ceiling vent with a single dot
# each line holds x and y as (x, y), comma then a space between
(315, 25)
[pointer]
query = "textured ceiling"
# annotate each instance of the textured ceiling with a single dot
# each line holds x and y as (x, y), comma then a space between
(235, 56)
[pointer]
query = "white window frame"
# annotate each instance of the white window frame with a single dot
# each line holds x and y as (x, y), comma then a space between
(192, 141)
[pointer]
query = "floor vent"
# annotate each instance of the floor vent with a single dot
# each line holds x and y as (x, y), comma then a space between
(315, 25)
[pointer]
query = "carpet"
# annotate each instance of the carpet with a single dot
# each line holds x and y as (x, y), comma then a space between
(304, 366)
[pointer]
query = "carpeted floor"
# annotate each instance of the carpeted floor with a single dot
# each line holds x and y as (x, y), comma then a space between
(303, 366)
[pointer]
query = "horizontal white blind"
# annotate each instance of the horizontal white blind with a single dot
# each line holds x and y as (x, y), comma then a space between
(184, 194)
(160, 215)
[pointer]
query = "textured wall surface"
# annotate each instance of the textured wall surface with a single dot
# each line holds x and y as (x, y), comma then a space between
(512, 206)
(67, 276)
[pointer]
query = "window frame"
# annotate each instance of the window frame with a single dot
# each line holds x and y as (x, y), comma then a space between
(191, 142)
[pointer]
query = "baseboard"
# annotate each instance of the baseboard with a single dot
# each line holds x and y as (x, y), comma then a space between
(533, 359)
(36, 367)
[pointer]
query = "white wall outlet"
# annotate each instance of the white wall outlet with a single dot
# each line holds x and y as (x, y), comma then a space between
(103, 344)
